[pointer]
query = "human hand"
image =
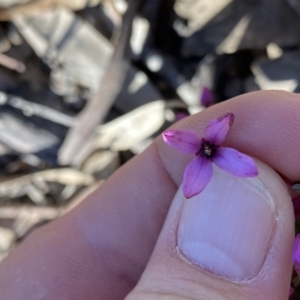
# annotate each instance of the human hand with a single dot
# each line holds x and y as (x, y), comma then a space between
(243, 231)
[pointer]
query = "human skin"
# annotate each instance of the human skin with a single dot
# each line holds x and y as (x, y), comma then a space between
(100, 249)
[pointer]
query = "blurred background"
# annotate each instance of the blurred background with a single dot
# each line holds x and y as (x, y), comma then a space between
(85, 85)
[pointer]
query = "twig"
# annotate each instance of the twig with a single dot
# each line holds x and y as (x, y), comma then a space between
(100, 103)
(35, 7)
(30, 108)
(12, 63)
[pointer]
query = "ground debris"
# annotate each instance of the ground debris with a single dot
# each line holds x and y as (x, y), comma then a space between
(86, 85)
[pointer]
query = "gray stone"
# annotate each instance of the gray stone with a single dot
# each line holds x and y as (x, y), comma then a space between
(280, 74)
(79, 55)
(225, 26)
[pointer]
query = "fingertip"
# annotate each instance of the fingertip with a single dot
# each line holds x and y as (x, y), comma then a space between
(232, 241)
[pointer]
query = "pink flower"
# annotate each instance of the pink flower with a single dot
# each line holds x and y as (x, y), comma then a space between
(207, 97)
(181, 115)
(199, 171)
(296, 254)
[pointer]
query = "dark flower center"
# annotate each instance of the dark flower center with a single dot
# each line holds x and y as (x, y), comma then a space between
(207, 149)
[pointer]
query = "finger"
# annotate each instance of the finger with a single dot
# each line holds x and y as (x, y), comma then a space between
(100, 249)
(232, 241)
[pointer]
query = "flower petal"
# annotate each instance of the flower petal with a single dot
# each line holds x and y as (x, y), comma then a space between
(296, 250)
(235, 162)
(207, 97)
(196, 176)
(183, 140)
(296, 254)
(217, 129)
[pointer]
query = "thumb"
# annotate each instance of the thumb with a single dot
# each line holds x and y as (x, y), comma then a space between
(232, 241)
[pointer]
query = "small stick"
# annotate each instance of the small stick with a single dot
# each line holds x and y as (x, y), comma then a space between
(101, 102)
(37, 6)
(12, 63)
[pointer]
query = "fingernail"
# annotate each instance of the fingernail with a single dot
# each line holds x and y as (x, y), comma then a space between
(227, 228)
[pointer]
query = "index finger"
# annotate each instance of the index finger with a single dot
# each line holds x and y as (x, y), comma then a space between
(100, 249)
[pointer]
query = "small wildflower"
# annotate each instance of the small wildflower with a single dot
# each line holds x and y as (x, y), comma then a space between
(207, 98)
(199, 171)
(296, 254)
(181, 115)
